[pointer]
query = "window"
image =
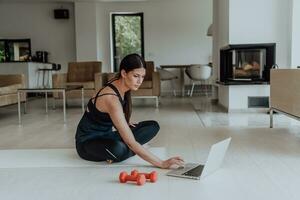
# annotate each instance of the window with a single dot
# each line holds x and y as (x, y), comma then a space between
(15, 50)
(127, 36)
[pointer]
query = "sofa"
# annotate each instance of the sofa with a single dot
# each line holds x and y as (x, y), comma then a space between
(9, 84)
(86, 74)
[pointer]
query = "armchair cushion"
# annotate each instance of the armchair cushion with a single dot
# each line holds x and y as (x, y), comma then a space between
(9, 84)
(79, 73)
(149, 70)
(10, 79)
(146, 85)
(10, 89)
(82, 71)
(86, 85)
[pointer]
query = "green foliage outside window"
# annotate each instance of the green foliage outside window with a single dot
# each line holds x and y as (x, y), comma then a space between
(128, 35)
(2, 55)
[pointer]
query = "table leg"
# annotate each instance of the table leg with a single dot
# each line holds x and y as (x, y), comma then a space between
(38, 79)
(49, 75)
(182, 81)
(82, 99)
(19, 107)
(64, 105)
(46, 98)
(24, 103)
(43, 78)
(271, 118)
(53, 103)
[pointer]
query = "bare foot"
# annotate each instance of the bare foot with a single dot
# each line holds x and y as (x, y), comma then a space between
(109, 161)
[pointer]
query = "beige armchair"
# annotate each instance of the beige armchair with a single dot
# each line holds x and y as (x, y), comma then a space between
(9, 84)
(86, 74)
(150, 87)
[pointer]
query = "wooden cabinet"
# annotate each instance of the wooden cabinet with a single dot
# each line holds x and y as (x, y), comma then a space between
(285, 92)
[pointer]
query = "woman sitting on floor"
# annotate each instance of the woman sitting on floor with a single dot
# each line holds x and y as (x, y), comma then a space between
(95, 139)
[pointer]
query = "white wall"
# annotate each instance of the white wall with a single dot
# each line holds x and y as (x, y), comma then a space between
(36, 21)
(220, 31)
(174, 31)
(87, 42)
(262, 21)
(295, 41)
(255, 21)
(235, 97)
(258, 21)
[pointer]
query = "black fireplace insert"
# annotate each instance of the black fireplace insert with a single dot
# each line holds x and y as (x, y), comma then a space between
(247, 63)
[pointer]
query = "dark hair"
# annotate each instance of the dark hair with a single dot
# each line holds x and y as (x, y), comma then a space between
(129, 63)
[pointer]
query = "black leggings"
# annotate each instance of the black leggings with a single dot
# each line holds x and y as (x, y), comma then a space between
(116, 150)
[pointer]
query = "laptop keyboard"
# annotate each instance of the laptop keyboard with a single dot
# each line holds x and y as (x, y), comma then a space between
(195, 171)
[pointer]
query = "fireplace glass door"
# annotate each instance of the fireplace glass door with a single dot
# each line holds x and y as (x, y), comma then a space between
(248, 64)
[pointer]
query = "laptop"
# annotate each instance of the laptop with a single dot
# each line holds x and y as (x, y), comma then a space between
(197, 171)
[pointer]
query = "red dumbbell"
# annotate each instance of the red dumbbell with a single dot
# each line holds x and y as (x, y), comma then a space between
(151, 176)
(124, 177)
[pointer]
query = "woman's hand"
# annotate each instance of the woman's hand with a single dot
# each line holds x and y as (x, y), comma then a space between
(172, 163)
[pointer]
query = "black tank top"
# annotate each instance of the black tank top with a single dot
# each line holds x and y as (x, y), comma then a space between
(98, 116)
(95, 123)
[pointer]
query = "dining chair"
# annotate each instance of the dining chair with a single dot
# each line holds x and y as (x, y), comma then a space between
(198, 73)
(166, 75)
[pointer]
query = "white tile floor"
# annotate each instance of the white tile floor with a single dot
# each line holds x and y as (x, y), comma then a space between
(261, 163)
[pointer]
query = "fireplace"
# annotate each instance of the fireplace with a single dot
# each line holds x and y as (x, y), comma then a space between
(246, 63)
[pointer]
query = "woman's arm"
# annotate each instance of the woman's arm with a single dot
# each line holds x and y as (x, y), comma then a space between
(115, 111)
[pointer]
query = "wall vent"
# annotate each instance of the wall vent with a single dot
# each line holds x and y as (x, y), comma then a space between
(258, 102)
